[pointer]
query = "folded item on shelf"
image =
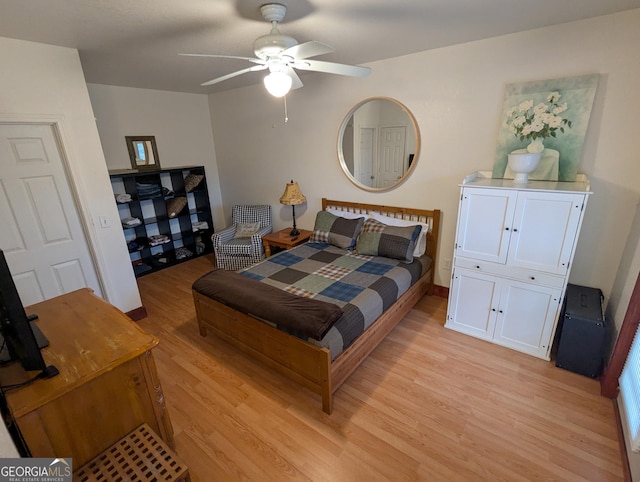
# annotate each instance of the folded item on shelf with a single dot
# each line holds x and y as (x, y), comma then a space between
(200, 226)
(123, 198)
(137, 244)
(157, 239)
(167, 192)
(138, 269)
(148, 190)
(182, 253)
(130, 222)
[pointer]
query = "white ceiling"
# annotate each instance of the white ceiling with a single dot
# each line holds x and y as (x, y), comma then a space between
(136, 43)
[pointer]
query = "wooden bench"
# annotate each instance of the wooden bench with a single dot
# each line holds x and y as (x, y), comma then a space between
(141, 456)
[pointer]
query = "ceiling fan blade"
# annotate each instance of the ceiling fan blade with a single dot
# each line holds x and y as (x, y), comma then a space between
(308, 49)
(332, 68)
(234, 74)
(296, 83)
(250, 59)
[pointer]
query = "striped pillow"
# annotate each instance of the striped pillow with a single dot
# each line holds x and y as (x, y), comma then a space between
(379, 239)
(336, 230)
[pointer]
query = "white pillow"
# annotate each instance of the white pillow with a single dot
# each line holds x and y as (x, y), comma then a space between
(246, 230)
(347, 214)
(421, 244)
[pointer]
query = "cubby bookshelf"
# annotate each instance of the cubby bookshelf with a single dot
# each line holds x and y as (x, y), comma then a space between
(165, 215)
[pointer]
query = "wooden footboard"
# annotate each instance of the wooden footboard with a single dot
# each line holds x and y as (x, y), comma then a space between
(302, 362)
(298, 360)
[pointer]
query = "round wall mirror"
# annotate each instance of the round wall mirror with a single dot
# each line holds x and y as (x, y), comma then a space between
(378, 144)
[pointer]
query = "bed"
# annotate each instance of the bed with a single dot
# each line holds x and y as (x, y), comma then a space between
(316, 363)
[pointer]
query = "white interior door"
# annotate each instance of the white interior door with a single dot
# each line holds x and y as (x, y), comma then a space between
(42, 236)
(392, 159)
(365, 156)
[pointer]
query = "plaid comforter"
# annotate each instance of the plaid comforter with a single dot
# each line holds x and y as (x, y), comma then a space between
(363, 286)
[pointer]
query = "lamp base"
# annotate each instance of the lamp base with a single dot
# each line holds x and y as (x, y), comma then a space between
(294, 232)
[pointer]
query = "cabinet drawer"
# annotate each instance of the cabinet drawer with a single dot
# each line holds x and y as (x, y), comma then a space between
(520, 274)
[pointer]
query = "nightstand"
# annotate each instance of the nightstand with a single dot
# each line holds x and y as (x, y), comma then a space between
(282, 239)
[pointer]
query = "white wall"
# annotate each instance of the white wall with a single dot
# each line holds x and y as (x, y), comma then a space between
(180, 123)
(44, 82)
(456, 95)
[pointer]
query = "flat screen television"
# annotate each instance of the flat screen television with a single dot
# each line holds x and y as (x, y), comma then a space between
(20, 337)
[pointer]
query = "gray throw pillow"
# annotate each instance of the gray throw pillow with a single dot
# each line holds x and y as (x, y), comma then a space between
(336, 230)
(379, 239)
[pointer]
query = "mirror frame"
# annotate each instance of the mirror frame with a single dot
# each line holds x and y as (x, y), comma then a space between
(343, 163)
(149, 147)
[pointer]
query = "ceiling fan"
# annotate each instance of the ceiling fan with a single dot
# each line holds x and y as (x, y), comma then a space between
(281, 55)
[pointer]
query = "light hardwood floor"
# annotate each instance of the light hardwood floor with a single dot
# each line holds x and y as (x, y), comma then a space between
(428, 404)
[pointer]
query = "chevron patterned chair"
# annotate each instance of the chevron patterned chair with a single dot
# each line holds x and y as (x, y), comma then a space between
(240, 245)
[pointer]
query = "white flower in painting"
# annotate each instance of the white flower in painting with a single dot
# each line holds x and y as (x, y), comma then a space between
(530, 122)
(559, 109)
(554, 121)
(525, 106)
(541, 108)
(553, 97)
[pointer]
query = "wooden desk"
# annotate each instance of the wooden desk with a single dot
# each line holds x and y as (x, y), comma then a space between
(107, 384)
(282, 239)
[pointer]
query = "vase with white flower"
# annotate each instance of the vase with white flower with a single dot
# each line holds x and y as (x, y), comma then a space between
(533, 123)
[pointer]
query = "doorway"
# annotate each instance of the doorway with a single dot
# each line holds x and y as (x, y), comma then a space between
(43, 237)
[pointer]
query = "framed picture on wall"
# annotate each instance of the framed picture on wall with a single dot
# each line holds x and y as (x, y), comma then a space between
(143, 153)
(546, 116)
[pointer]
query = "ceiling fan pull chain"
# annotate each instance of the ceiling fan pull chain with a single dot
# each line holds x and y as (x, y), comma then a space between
(286, 116)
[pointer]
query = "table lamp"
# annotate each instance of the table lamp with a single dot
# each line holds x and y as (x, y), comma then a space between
(291, 197)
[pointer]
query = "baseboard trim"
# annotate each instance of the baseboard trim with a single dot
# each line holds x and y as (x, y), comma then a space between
(621, 442)
(441, 291)
(137, 314)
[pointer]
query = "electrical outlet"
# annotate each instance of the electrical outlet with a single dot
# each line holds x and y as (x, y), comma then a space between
(446, 263)
(104, 222)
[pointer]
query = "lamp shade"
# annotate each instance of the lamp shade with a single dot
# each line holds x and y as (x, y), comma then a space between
(277, 83)
(292, 195)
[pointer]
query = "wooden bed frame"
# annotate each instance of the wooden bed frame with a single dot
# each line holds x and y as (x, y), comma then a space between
(307, 364)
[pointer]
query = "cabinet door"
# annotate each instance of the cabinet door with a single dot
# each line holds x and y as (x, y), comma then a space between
(473, 303)
(484, 223)
(526, 317)
(544, 231)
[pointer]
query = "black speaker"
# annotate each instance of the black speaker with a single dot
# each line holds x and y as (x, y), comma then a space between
(583, 332)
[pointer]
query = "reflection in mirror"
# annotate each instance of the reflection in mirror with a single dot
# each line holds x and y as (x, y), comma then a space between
(378, 144)
(143, 152)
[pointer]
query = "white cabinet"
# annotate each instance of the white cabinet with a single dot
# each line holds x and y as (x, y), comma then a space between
(513, 253)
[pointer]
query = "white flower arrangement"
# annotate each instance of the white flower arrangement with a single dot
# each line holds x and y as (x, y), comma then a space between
(535, 123)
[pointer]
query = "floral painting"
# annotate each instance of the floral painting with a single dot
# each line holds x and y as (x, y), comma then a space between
(550, 117)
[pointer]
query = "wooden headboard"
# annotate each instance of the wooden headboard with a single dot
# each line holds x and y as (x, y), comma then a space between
(431, 217)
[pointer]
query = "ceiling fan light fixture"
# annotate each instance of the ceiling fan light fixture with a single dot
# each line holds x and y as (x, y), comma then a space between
(278, 83)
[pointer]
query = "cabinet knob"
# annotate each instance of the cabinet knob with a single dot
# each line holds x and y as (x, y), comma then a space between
(500, 311)
(493, 309)
(506, 228)
(532, 277)
(515, 230)
(477, 266)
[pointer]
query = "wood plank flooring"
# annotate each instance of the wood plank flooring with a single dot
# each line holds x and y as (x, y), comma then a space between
(428, 404)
